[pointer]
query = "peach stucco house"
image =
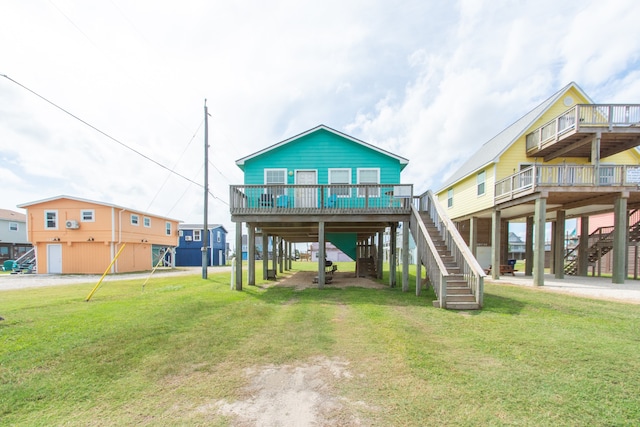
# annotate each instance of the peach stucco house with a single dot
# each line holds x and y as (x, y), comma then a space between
(73, 235)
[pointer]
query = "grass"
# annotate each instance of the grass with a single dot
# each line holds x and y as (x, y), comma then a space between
(160, 356)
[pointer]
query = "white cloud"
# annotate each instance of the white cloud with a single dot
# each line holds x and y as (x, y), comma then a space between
(430, 81)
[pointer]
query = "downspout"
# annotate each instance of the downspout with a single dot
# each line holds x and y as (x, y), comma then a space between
(112, 251)
(119, 234)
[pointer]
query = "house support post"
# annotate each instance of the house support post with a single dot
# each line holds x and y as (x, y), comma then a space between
(620, 229)
(281, 253)
(595, 157)
(392, 255)
(322, 255)
(559, 244)
(473, 235)
(291, 256)
(583, 247)
(418, 270)
(504, 240)
(495, 244)
(405, 256)
(265, 255)
(274, 254)
(380, 261)
(528, 247)
(238, 271)
(539, 220)
(251, 254)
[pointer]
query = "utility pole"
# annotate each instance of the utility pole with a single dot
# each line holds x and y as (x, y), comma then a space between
(205, 237)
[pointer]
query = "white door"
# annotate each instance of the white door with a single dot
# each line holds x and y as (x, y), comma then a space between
(54, 259)
(219, 256)
(306, 197)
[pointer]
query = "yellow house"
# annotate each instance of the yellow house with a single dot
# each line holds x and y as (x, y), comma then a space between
(72, 235)
(566, 158)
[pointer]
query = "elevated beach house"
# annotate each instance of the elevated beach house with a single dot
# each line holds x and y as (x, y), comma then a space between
(325, 186)
(567, 158)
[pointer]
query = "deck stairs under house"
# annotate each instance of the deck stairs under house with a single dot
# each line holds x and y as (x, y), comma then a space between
(26, 264)
(601, 243)
(366, 267)
(452, 270)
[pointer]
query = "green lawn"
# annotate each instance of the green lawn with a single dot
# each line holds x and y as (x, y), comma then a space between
(158, 357)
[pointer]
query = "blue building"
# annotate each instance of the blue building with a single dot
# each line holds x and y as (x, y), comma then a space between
(189, 250)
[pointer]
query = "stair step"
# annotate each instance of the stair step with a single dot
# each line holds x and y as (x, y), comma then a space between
(463, 306)
(460, 298)
(458, 290)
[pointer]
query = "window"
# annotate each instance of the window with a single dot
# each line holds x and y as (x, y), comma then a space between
(181, 233)
(146, 221)
(369, 176)
(275, 177)
(339, 177)
(87, 215)
(480, 178)
(13, 226)
(218, 236)
(197, 235)
(450, 198)
(51, 220)
(167, 227)
(135, 219)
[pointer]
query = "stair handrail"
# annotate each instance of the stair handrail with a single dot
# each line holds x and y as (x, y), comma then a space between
(436, 270)
(601, 237)
(26, 254)
(472, 271)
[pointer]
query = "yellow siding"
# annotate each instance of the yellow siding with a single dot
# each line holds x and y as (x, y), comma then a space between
(466, 202)
(465, 195)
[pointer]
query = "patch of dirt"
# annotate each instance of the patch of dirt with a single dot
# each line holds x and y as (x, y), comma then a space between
(300, 395)
(304, 279)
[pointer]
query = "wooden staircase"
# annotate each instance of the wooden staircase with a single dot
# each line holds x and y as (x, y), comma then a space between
(601, 243)
(366, 267)
(459, 294)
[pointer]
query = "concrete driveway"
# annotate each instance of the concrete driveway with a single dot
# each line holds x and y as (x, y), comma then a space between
(590, 287)
(21, 281)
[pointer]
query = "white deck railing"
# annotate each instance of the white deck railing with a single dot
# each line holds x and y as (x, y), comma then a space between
(583, 115)
(531, 179)
(318, 198)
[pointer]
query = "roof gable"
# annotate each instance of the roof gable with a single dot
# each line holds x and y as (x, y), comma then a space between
(491, 150)
(92, 202)
(241, 162)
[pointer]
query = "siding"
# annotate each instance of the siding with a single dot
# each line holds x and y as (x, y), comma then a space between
(321, 151)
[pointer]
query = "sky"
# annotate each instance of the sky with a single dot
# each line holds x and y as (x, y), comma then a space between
(104, 100)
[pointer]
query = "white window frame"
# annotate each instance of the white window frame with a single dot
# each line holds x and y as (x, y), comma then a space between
(146, 221)
(450, 198)
(347, 183)
(481, 183)
(135, 219)
(13, 226)
(167, 228)
(360, 190)
(280, 191)
(54, 219)
(87, 215)
(197, 235)
(218, 239)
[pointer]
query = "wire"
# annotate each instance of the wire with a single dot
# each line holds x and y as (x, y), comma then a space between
(103, 133)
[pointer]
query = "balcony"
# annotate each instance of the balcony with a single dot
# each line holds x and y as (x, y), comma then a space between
(571, 178)
(570, 134)
(360, 199)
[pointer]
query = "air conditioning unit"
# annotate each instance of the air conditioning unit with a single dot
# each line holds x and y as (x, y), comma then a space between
(188, 238)
(72, 224)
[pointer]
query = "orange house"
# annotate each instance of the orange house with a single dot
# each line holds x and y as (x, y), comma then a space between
(72, 235)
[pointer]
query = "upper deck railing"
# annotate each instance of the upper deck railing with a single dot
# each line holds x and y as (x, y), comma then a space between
(321, 199)
(533, 178)
(584, 115)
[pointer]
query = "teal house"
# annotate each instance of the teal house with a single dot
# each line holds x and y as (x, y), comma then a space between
(324, 186)
(322, 174)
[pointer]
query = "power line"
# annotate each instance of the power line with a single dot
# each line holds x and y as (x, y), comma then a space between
(103, 133)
